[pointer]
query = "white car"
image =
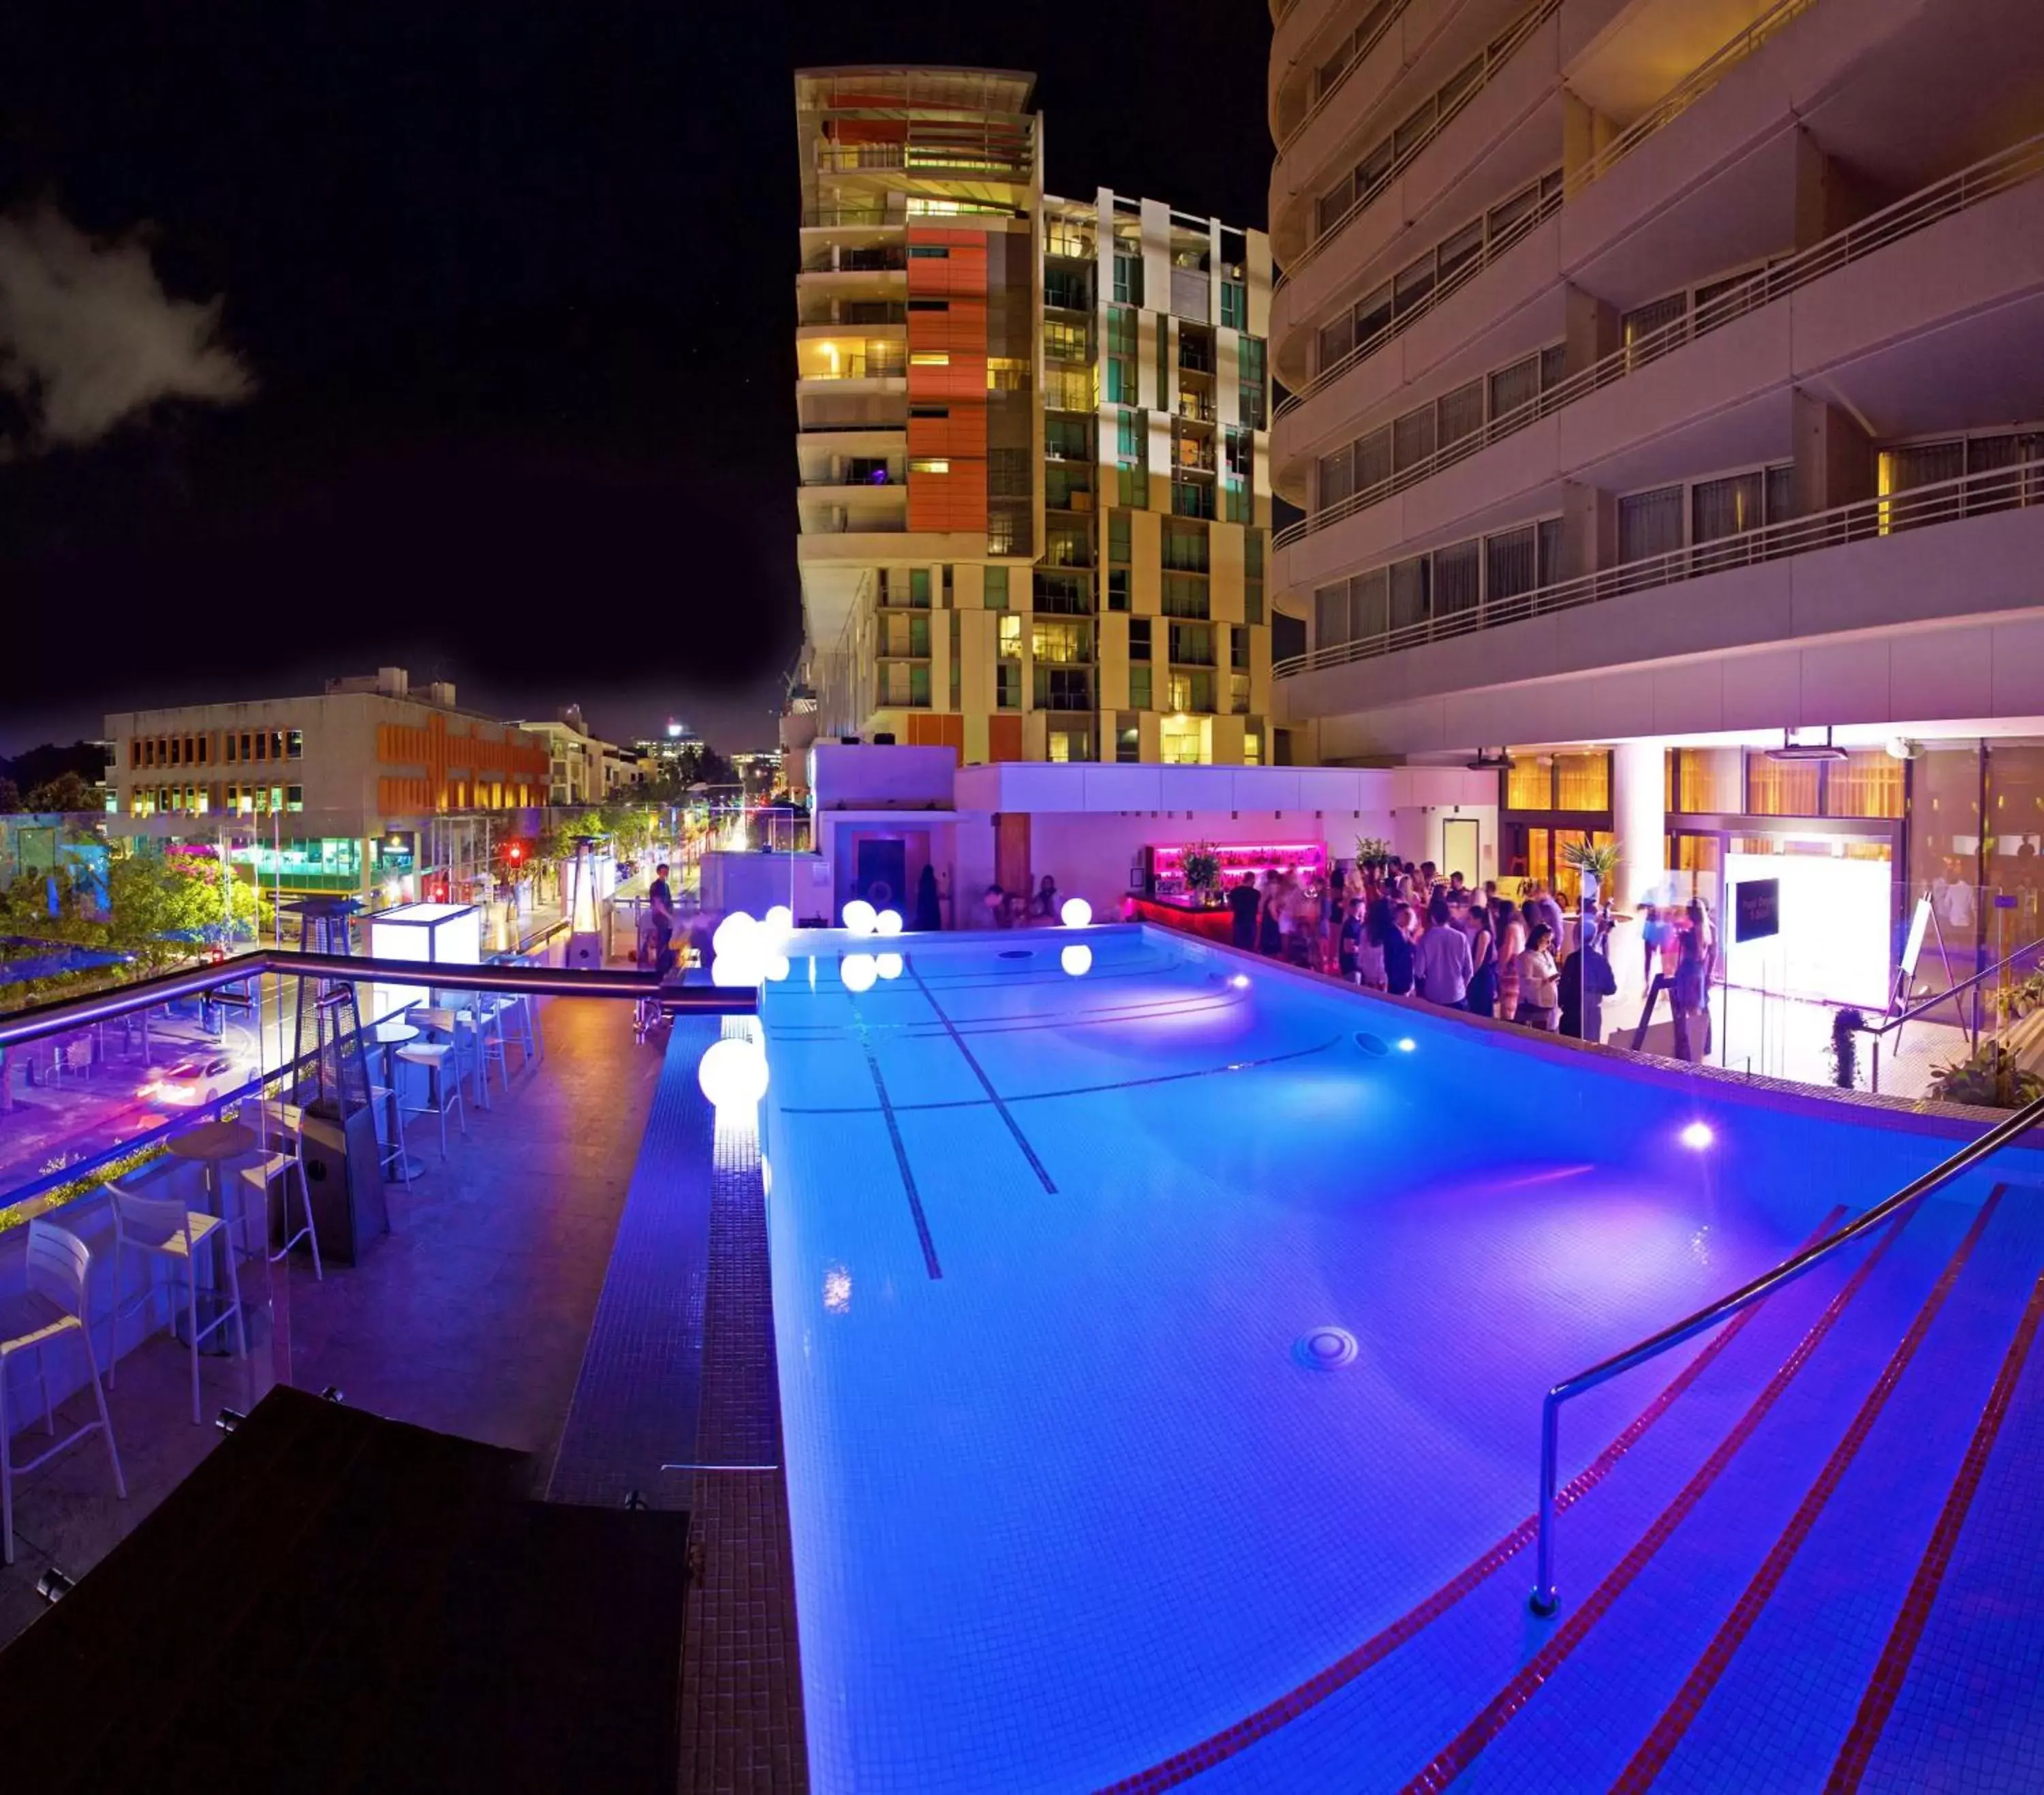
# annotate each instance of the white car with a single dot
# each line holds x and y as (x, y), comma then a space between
(193, 1083)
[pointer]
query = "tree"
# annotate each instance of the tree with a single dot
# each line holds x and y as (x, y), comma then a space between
(10, 797)
(66, 792)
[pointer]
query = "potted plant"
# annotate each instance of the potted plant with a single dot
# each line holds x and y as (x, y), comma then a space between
(1592, 863)
(1372, 850)
(1846, 1027)
(1989, 1077)
(1201, 867)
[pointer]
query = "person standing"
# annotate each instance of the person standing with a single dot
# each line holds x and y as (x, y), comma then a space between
(1377, 928)
(1444, 963)
(1539, 997)
(1398, 953)
(1043, 906)
(1546, 910)
(1349, 947)
(1270, 934)
(1510, 928)
(1244, 903)
(1691, 995)
(929, 915)
(1482, 998)
(660, 915)
(1587, 980)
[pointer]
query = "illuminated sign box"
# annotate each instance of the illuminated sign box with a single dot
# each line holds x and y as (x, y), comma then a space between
(433, 934)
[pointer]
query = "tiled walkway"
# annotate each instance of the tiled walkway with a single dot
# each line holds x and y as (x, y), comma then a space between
(470, 1317)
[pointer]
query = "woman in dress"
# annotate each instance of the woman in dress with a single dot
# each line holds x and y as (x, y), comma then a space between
(1377, 928)
(1510, 929)
(1539, 982)
(1483, 955)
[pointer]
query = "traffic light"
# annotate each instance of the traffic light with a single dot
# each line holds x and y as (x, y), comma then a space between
(517, 853)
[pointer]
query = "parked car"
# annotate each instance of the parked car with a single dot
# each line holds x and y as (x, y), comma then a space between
(193, 1083)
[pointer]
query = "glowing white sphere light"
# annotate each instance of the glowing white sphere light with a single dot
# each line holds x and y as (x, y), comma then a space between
(1076, 913)
(777, 967)
(779, 919)
(860, 918)
(732, 1073)
(1076, 959)
(888, 966)
(858, 971)
(888, 922)
(1697, 1136)
(733, 933)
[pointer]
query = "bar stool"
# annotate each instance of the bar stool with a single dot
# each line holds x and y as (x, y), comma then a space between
(516, 1020)
(446, 1019)
(484, 1019)
(51, 1308)
(285, 1158)
(162, 1228)
(442, 1093)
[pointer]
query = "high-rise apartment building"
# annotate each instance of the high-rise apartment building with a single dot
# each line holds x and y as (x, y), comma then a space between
(1664, 378)
(1032, 444)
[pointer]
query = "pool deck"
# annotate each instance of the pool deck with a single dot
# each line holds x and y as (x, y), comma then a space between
(471, 1317)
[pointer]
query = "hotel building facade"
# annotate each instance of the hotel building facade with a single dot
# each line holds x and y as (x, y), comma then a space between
(1666, 387)
(1032, 441)
(365, 786)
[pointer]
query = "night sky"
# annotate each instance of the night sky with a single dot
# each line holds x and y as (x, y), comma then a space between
(501, 386)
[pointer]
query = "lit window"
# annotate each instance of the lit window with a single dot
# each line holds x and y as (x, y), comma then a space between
(929, 358)
(929, 466)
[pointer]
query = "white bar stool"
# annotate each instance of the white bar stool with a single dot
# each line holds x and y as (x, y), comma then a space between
(285, 1158)
(443, 1093)
(52, 1308)
(162, 1228)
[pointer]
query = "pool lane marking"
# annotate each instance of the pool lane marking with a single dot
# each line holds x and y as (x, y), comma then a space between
(985, 1083)
(900, 1153)
(1181, 1766)
(1464, 1749)
(1010, 1024)
(1076, 1090)
(1659, 1745)
(1900, 1653)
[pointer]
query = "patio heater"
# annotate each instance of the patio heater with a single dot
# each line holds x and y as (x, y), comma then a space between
(343, 1155)
(585, 937)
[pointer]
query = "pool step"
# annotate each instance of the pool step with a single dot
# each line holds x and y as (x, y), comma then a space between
(1732, 1642)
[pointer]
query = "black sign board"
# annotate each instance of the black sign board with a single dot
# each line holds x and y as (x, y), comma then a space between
(1756, 909)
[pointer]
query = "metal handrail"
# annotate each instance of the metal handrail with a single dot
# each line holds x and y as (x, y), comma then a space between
(1496, 55)
(1985, 179)
(1391, 16)
(1997, 488)
(40, 1022)
(1686, 92)
(1949, 993)
(1543, 1600)
(1513, 234)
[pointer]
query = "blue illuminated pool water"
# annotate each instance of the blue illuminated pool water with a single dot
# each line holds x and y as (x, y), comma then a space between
(1068, 1494)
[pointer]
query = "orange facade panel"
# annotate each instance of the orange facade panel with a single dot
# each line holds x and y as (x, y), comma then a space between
(959, 435)
(937, 729)
(1003, 740)
(963, 378)
(952, 500)
(962, 326)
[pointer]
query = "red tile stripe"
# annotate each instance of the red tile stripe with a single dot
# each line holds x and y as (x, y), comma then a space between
(1897, 1656)
(1659, 1745)
(1183, 1766)
(1464, 1749)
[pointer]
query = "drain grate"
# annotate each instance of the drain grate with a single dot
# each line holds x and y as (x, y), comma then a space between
(1374, 1045)
(1016, 953)
(1325, 1349)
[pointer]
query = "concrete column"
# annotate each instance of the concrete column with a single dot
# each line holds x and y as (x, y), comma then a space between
(1639, 817)
(1589, 529)
(1592, 329)
(1834, 460)
(1585, 132)
(1828, 195)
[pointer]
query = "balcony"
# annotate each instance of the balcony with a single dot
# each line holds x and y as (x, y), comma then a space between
(1861, 594)
(1988, 180)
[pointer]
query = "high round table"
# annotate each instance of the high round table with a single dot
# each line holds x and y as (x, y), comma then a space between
(397, 1163)
(211, 1144)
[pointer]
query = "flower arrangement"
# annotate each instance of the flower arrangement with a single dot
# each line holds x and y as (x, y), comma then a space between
(1201, 867)
(1371, 849)
(1594, 862)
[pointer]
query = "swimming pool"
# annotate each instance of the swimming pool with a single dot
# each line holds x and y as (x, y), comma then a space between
(1159, 1331)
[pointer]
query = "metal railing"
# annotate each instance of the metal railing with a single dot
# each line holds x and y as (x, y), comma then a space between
(863, 368)
(1516, 232)
(1998, 489)
(1544, 1599)
(1985, 179)
(1495, 56)
(1969, 1014)
(1686, 92)
(1388, 18)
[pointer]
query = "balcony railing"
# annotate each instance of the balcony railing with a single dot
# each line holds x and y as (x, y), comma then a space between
(1686, 92)
(1381, 25)
(1514, 233)
(1496, 55)
(1999, 489)
(1993, 175)
(863, 368)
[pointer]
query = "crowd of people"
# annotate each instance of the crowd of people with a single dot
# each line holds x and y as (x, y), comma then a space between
(1390, 925)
